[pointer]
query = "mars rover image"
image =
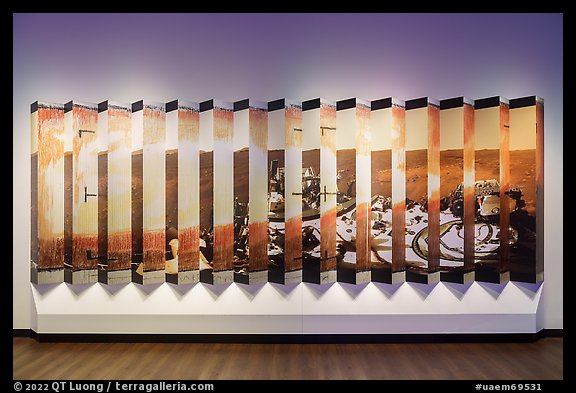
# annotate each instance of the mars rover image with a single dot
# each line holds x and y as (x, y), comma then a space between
(487, 230)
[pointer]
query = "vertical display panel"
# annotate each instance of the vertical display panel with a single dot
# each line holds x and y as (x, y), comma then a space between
(381, 189)
(68, 189)
(81, 123)
(250, 191)
(398, 193)
(422, 190)
(469, 192)
(493, 234)
(224, 194)
(47, 218)
(457, 190)
(149, 122)
(258, 192)
(216, 192)
(103, 191)
(353, 188)
(115, 180)
(284, 192)
(318, 191)
(526, 188)
(182, 192)
(328, 193)
(242, 183)
(206, 160)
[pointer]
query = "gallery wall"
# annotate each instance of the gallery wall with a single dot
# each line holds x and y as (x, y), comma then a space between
(299, 308)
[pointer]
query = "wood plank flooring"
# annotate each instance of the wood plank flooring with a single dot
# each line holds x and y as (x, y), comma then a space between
(540, 360)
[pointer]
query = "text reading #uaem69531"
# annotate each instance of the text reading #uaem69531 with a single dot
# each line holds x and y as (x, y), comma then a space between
(111, 386)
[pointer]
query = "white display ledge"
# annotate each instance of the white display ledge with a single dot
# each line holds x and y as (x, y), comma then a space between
(286, 324)
(407, 308)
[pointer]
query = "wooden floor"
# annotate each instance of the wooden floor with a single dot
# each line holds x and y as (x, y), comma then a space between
(520, 361)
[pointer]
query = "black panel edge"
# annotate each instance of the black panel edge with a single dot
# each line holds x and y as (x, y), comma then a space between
(484, 274)
(293, 338)
(68, 106)
(102, 106)
(416, 103)
(241, 105)
(172, 279)
(449, 103)
(310, 104)
(416, 277)
(345, 104)
(207, 276)
(34, 275)
(522, 102)
(137, 278)
(171, 106)
(102, 276)
(241, 278)
(206, 105)
(381, 104)
(456, 277)
(488, 102)
(276, 104)
(42, 104)
(137, 106)
(68, 278)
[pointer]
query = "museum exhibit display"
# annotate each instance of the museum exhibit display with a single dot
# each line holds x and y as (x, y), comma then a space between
(387, 119)
(250, 139)
(527, 188)
(457, 199)
(216, 192)
(287, 192)
(353, 199)
(149, 195)
(284, 191)
(422, 149)
(182, 192)
(47, 193)
(492, 185)
(115, 192)
(319, 191)
(80, 193)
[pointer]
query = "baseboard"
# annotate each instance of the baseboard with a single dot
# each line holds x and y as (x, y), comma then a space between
(551, 333)
(22, 333)
(290, 338)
